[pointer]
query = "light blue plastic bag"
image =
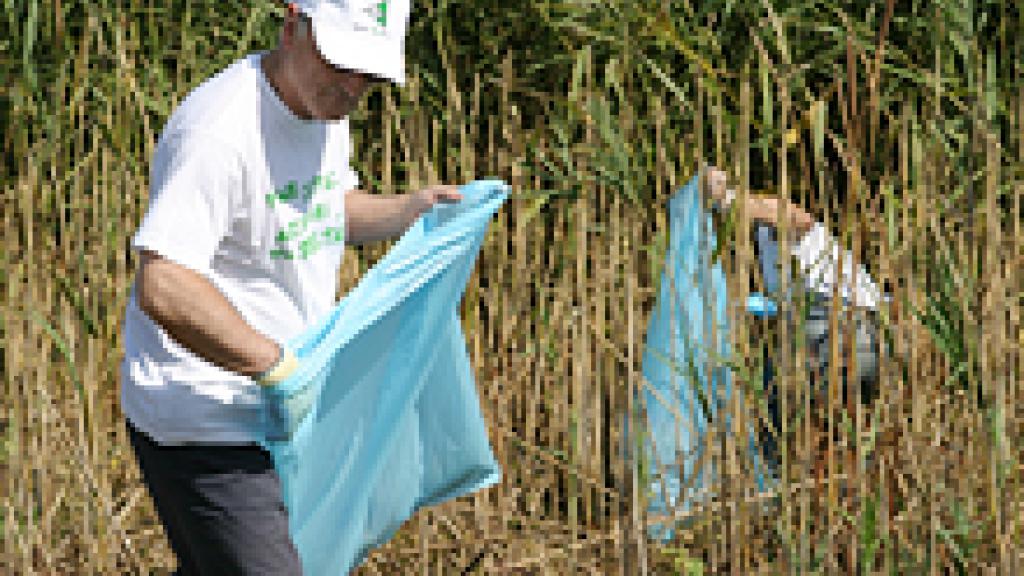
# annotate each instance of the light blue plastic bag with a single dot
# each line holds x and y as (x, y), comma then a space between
(683, 363)
(383, 415)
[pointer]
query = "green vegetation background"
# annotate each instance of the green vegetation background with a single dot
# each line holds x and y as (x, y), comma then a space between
(898, 122)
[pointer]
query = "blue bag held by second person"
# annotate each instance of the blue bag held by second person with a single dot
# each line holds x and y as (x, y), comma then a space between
(383, 417)
(684, 358)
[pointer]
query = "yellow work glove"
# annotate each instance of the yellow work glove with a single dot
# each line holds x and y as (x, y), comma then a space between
(285, 411)
(286, 364)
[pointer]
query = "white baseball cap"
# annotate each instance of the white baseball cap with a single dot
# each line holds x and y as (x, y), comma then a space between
(362, 35)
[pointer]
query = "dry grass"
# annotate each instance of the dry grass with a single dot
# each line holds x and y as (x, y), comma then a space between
(925, 188)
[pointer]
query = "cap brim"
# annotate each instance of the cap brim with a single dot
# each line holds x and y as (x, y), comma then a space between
(361, 52)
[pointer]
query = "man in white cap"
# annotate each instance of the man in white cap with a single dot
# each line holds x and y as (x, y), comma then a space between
(252, 200)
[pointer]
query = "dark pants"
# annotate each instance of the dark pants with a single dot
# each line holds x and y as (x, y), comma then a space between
(221, 507)
(817, 332)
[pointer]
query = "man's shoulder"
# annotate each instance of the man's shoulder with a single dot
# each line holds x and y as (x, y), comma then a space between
(221, 104)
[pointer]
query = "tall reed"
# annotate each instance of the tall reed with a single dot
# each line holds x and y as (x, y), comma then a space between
(897, 124)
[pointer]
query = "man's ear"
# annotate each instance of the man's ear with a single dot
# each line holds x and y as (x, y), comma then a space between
(293, 22)
(289, 29)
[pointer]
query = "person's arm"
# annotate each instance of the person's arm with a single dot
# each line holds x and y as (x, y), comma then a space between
(814, 248)
(195, 194)
(372, 217)
(761, 209)
(765, 210)
(198, 316)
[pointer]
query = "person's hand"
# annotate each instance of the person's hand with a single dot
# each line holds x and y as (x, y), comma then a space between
(284, 411)
(282, 368)
(423, 200)
(717, 181)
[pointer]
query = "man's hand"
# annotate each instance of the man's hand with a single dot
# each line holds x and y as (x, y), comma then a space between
(287, 363)
(423, 200)
(372, 217)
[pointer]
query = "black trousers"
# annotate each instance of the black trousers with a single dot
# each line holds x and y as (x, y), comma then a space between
(817, 332)
(221, 507)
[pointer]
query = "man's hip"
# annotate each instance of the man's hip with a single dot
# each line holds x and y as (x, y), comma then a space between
(221, 506)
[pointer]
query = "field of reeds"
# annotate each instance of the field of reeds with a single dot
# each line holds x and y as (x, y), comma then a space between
(898, 124)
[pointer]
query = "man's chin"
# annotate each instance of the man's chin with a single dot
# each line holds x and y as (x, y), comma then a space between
(334, 115)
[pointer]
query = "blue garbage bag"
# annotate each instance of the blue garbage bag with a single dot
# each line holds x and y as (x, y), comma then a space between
(383, 417)
(684, 358)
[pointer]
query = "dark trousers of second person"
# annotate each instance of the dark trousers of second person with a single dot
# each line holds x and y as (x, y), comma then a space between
(818, 335)
(221, 507)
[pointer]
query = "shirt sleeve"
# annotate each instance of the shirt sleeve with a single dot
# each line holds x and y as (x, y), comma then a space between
(818, 254)
(194, 188)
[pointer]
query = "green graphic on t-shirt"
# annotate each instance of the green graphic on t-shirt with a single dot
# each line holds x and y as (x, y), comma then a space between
(281, 254)
(290, 191)
(314, 229)
(297, 227)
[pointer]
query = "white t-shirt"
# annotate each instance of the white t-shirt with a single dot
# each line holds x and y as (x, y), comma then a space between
(819, 255)
(251, 197)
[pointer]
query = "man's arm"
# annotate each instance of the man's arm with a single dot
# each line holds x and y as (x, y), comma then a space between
(198, 316)
(762, 209)
(812, 245)
(766, 210)
(372, 217)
